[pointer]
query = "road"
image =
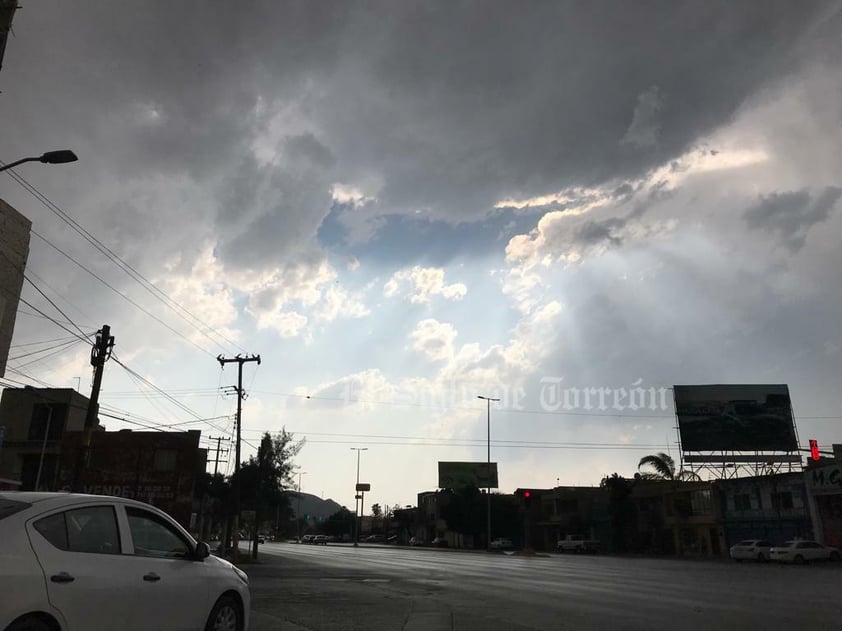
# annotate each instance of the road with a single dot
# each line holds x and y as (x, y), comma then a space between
(374, 588)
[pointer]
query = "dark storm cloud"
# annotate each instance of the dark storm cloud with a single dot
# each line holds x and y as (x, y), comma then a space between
(452, 106)
(791, 214)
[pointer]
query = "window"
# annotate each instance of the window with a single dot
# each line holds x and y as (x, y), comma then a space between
(154, 537)
(164, 460)
(742, 502)
(782, 501)
(700, 502)
(91, 530)
(54, 530)
(44, 415)
(10, 507)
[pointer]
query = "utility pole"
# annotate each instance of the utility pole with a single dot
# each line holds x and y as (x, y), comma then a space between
(488, 401)
(298, 510)
(216, 460)
(240, 360)
(44, 446)
(357, 507)
(100, 353)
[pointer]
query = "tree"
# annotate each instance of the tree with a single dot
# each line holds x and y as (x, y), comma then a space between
(267, 474)
(621, 511)
(376, 511)
(339, 524)
(662, 467)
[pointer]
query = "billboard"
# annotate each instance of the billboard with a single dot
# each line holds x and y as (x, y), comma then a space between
(735, 418)
(457, 475)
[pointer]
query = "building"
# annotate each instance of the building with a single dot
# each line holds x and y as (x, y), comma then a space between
(677, 518)
(14, 251)
(35, 420)
(160, 468)
(823, 481)
(772, 507)
(570, 510)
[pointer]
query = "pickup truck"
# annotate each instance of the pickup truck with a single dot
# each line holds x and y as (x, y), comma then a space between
(577, 543)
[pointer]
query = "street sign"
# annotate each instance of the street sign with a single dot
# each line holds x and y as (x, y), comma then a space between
(358, 497)
(363, 486)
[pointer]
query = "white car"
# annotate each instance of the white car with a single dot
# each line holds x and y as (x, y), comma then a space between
(72, 562)
(501, 544)
(803, 552)
(752, 550)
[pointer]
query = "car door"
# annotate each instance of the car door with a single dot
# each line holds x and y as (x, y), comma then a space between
(817, 551)
(79, 551)
(174, 584)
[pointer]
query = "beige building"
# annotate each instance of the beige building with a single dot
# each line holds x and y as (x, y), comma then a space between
(14, 250)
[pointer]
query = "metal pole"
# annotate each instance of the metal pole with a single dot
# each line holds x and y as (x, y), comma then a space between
(488, 474)
(298, 510)
(488, 401)
(44, 447)
(357, 507)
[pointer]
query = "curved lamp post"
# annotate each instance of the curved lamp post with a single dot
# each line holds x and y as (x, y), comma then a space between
(62, 156)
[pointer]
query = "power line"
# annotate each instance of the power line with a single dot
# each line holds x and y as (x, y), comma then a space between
(44, 350)
(150, 287)
(121, 294)
(56, 339)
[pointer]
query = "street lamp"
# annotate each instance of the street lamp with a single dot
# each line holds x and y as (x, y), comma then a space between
(298, 510)
(488, 401)
(357, 510)
(62, 156)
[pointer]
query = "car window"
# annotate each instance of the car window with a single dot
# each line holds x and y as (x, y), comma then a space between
(91, 529)
(54, 530)
(764, 544)
(154, 537)
(10, 507)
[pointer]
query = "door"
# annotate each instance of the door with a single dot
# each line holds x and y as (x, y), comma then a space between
(162, 564)
(79, 551)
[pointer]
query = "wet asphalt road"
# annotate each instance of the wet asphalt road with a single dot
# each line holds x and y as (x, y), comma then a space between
(374, 588)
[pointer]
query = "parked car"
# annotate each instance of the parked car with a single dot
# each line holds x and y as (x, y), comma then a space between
(261, 539)
(70, 561)
(803, 552)
(307, 538)
(319, 539)
(416, 541)
(501, 544)
(751, 549)
(578, 543)
(392, 539)
(439, 542)
(375, 539)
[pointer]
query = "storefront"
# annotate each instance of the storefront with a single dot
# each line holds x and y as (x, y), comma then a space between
(824, 492)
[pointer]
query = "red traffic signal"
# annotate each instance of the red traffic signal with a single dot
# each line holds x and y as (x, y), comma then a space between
(526, 494)
(814, 449)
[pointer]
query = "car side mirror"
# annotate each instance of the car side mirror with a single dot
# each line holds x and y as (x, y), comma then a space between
(202, 551)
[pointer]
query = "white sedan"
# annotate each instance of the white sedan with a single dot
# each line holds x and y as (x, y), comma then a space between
(803, 552)
(74, 562)
(751, 549)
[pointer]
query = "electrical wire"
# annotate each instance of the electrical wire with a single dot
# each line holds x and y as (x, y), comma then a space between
(122, 295)
(150, 287)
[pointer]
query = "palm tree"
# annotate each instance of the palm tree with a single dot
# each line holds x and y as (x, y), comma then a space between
(662, 467)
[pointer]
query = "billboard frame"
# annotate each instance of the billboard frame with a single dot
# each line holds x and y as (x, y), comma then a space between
(474, 474)
(728, 464)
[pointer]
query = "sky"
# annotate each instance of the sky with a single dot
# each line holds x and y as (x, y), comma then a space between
(404, 206)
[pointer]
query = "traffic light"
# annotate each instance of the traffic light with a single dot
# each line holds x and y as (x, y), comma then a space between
(814, 450)
(526, 496)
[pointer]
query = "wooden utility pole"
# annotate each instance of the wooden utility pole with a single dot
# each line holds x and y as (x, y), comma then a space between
(216, 460)
(240, 360)
(100, 353)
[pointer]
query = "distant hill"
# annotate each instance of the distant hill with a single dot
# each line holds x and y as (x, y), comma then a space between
(313, 505)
